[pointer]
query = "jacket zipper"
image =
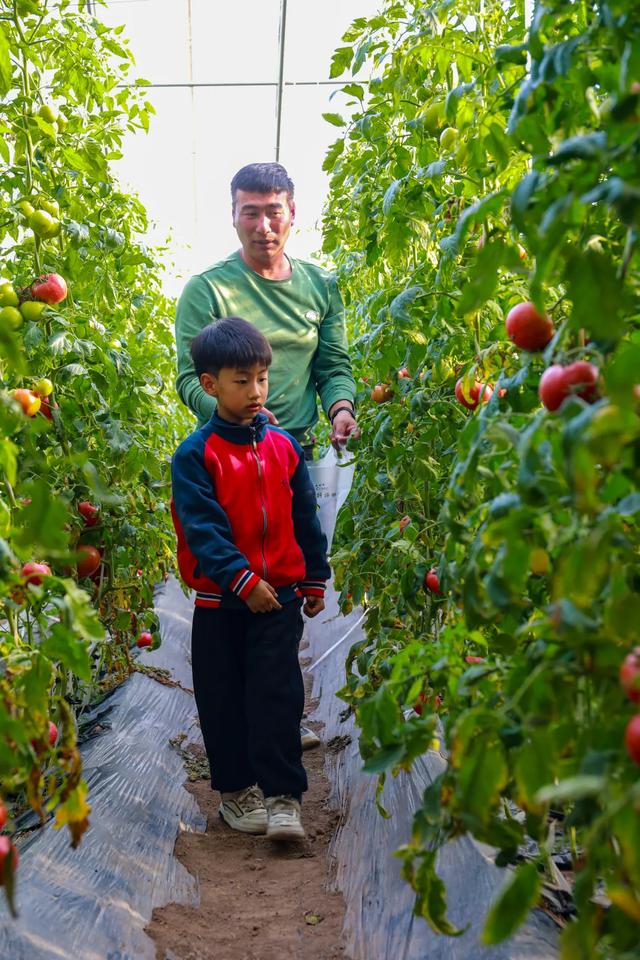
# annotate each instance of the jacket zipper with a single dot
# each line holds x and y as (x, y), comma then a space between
(264, 508)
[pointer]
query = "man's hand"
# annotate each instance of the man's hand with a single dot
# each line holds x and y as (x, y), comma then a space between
(343, 427)
(312, 606)
(262, 598)
(271, 416)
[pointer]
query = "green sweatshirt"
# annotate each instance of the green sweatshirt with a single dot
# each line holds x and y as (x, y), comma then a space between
(302, 318)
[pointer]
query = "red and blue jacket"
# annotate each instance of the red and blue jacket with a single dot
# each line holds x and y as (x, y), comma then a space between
(244, 509)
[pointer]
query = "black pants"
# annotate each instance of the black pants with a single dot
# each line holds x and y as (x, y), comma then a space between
(250, 697)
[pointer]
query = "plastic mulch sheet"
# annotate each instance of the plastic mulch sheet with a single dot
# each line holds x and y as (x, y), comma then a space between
(94, 902)
(379, 921)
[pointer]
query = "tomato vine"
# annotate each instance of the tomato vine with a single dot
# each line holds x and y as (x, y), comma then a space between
(87, 417)
(490, 164)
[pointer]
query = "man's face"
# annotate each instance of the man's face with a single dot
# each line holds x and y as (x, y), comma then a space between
(263, 222)
(240, 393)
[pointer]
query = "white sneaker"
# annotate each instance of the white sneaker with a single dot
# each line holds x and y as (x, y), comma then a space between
(244, 810)
(308, 738)
(283, 818)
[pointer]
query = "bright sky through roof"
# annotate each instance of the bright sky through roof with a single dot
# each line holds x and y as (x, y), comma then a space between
(201, 136)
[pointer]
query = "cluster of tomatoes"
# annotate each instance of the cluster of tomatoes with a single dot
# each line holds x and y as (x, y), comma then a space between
(30, 304)
(630, 683)
(529, 330)
(89, 563)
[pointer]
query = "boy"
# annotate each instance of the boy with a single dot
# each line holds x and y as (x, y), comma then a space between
(250, 545)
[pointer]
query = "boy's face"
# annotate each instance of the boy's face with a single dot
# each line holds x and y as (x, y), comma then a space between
(240, 393)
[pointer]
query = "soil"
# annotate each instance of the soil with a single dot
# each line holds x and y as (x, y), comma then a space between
(258, 900)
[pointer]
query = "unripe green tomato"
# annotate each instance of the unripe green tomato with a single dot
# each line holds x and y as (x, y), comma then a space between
(462, 153)
(432, 117)
(11, 316)
(25, 208)
(32, 309)
(63, 123)
(41, 223)
(448, 138)
(8, 295)
(44, 387)
(55, 229)
(48, 112)
(115, 344)
(51, 206)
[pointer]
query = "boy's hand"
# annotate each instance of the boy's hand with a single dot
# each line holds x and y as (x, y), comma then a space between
(312, 606)
(262, 598)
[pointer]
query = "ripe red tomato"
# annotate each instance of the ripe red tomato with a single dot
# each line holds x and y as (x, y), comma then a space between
(584, 375)
(89, 512)
(551, 388)
(557, 383)
(50, 288)
(145, 639)
(53, 733)
(471, 659)
(432, 582)
(381, 393)
(477, 391)
(420, 702)
(3, 816)
(404, 522)
(630, 675)
(47, 407)
(90, 559)
(403, 372)
(632, 738)
(423, 698)
(9, 857)
(528, 329)
(34, 572)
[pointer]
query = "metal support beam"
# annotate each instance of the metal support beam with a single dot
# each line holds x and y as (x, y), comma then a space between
(281, 45)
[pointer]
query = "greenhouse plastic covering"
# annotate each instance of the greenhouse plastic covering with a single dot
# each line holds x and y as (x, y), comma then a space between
(94, 902)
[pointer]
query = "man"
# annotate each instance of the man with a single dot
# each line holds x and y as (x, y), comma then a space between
(294, 303)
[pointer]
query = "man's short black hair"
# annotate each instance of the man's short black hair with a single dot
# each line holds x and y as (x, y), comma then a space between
(229, 342)
(262, 178)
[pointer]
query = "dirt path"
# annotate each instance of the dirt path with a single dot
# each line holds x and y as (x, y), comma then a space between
(258, 900)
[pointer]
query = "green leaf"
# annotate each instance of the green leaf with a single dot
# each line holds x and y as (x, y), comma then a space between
(521, 198)
(574, 788)
(383, 759)
(596, 293)
(514, 902)
(332, 155)
(589, 146)
(340, 61)
(63, 646)
(514, 53)
(399, 306)
(335, 119)
(42, 521)
(431, 902)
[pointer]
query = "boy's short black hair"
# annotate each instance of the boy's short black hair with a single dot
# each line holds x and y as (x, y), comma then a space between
(262, 178)
(229, 342)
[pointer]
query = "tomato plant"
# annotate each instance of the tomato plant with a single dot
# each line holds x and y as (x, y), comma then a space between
(491, 164)
(87, 417)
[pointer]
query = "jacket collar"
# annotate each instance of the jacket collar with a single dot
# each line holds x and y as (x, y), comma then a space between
(239, 433)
